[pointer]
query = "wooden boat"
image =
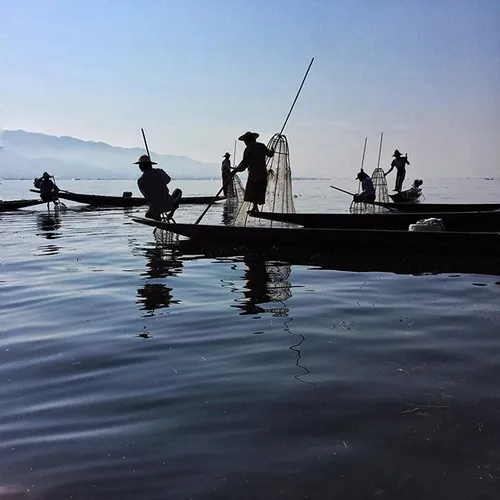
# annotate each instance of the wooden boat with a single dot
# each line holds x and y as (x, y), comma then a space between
(369, 240)
(97, 200)
(440, 207)
(452, 221)
(7, 206)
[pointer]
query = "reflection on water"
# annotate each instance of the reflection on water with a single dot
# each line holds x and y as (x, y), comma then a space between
(229, 211)
(266, 282)
(270, 282)
(48, 224)
(295, 348)
(154, 296)
(161, 263)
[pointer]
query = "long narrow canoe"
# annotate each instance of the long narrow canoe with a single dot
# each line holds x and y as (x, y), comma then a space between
(7, 206)
(453, 221)
(97, 200)
(473, 244)
(440, 207)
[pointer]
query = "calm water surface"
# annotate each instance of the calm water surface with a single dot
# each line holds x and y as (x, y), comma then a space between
(129, 371)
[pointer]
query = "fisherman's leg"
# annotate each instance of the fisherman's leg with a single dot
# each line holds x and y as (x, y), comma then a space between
(175, 200)
(399, 182)
(152, 214)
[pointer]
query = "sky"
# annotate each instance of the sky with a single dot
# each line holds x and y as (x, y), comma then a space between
(196, 74)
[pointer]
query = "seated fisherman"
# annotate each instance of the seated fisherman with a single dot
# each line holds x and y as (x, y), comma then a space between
(153, 184)
(368, 193)
(415, 187)
(47, 187)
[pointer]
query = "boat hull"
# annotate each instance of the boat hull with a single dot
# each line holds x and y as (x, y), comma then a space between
(453, 221)
(8, 206)
(441, 207)
(473, 244)
(96, 200)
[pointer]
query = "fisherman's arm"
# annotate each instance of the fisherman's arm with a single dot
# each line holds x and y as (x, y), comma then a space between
(391, 169)
(243, 163)
(140, 185)
(166, 178)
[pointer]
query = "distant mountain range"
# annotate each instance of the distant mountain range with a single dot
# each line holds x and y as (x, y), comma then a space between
(26, 155)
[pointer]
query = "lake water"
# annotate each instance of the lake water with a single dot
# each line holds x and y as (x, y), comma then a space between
(130, 371)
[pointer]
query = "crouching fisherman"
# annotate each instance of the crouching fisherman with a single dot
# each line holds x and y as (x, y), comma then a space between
(153, 184)
(368, 193)
(48, 188)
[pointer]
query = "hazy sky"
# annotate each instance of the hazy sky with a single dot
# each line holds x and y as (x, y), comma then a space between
(198, 73)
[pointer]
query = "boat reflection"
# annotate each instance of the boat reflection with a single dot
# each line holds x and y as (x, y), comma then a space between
(350, 259)
(162, 262)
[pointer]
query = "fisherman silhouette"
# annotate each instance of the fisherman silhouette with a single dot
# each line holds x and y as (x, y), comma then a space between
(399, 163)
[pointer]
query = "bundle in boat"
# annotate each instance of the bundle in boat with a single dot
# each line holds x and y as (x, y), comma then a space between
(279, 196)
(431, 224)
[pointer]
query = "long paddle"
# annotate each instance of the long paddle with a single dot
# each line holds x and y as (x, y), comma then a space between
(145, 143)
(377, 203)
(216, 197)
(342, 190)
(380, 149)
(281, 132)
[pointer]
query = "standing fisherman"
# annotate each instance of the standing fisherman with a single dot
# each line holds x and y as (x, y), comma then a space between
(400, 163)
(226, 173)
(254, 158)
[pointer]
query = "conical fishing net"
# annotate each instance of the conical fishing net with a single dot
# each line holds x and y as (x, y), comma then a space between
(381, 195)
(279, 196)
(235, 188)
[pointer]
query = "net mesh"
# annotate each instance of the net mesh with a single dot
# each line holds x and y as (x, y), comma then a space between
(381, 195)
(279, 196)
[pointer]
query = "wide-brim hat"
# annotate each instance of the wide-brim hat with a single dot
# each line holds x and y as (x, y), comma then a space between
(226, 155)
(396, 153)
(248, 135)
(144, 159)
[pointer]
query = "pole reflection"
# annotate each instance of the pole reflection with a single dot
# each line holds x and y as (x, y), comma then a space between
(268, 282)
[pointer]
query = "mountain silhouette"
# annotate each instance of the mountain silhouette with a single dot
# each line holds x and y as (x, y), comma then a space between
(27, 154)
